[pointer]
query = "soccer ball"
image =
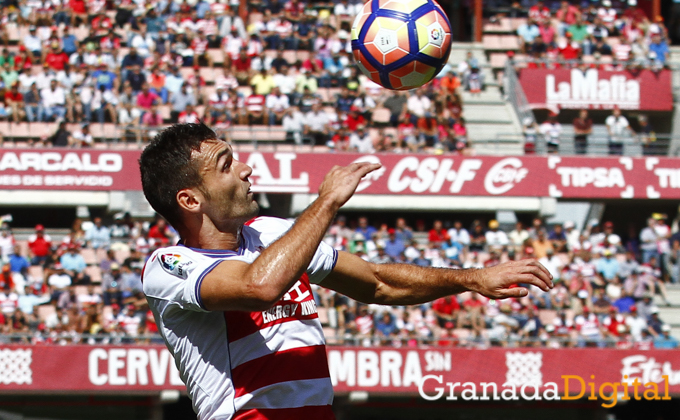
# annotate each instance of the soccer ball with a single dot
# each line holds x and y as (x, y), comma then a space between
(401, 44)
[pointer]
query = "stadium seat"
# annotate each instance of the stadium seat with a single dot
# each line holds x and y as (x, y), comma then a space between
(45, 312)
(94, 272)
(89, 256)
(36, 272)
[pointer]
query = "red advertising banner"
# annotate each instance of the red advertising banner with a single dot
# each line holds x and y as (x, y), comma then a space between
(93, 369)
(69, 169)
(598, 89)
(412, 174)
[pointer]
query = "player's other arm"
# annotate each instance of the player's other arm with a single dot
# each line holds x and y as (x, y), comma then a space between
(235, 285)
(404, 284)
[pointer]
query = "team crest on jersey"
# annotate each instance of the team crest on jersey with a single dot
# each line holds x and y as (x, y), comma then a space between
(175, 264)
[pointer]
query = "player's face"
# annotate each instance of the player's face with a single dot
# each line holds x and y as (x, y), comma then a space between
(228, 198)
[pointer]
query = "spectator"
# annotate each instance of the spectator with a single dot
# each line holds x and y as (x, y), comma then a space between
(293, 124)
(617, 125)
(180, 101)
(551, 130)
(33, 104)
(61, 137)
(317, 125)
(188, 116)
(527, 32)
(54, 101)
(277, 104)
(98, 235)
(665, 341)
(496, 238)
(82, 137)
(583, 127)
(361, 141)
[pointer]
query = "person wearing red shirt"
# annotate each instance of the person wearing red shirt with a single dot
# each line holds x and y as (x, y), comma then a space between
(570, 50)
(22, 61)
(101, 24)
(539, 12)
(438, 234)
(40, 245)
(447, 311)
(474, 308)
(78, 12)
(255, 109)
(159, 233)
(56, 58)
(241, 68)
(293, 10)
(15, 101)
(146, 98)
(189, 116)
(354, 119)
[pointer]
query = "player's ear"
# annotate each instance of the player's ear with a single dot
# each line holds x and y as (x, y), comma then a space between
(189, 200)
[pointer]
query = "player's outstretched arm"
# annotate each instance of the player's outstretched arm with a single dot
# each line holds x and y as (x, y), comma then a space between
(405, 284)
(235, 285)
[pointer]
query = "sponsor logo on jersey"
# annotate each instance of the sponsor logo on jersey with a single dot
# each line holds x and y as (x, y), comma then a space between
(175, 264)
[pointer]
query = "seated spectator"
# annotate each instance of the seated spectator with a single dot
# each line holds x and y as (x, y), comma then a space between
(180, 101)
(496, 238)
(665, 340)
(188, 116)
(82, 137)
(277, 104)
(256, 112)
(317, 125)
(74, 265)
(527, 33)
(53, 102)
(360, 141)
(98, 235)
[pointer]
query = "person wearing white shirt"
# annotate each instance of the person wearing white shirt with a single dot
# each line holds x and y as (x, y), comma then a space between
(316, 124)
(44, 78)
(617, 126)
(104, 100)
(284, 81)
(54, 101)
(276, 104)
(26, 79)
(293, 123)
(32, 42)
(83, 137)
(494, 236)
(459, 234)
(518, 236)
(418, 104)
(361, 141)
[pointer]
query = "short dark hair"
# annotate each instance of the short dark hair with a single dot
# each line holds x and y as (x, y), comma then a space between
(166, 167)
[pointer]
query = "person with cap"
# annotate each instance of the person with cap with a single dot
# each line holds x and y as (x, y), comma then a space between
(636, 323)
(589, 329)
(394, 247)
(608, 265)
(648, 240)
(665, 340)
(496, 237)
(382, 257)
(39, 245)
(112, 284)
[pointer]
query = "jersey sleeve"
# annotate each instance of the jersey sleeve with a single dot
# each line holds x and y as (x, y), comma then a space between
(173, 275)
(271, 228)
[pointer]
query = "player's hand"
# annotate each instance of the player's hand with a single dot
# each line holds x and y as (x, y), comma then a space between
(341, 182)
(501, 281)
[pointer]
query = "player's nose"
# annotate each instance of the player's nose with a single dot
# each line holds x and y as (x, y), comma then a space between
(245, 171)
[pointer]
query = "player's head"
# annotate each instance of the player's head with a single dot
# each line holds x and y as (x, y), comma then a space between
(187, 170)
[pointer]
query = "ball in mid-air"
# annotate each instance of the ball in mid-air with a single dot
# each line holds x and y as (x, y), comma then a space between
(401, 44)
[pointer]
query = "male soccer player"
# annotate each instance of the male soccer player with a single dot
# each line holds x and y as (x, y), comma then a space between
(233, 300)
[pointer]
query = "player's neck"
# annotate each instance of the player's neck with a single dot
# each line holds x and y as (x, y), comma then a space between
(209, 236)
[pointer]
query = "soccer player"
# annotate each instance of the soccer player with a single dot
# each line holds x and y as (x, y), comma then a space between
(233, 300)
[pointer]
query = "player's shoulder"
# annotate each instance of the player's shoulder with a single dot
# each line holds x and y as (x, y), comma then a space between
(266, 224)
(172, 260)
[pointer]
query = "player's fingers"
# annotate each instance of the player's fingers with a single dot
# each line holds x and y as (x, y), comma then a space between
(532, 279)
(541, 266)
(516, 292)
(365, 169)
(538, 273)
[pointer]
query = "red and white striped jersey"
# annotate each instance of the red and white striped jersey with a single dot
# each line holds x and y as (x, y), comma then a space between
(237, 365)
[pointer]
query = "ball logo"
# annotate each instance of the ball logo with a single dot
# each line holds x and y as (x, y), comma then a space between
(435, 34)
(175, 264)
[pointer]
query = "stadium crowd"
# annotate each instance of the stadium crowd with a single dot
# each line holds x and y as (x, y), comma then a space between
(144, 64)
(86, 286)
